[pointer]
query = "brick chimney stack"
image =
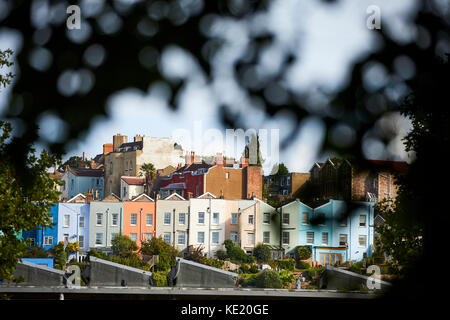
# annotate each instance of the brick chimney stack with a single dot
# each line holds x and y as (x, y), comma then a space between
(219, 159)
(107, 148)
(118, 139)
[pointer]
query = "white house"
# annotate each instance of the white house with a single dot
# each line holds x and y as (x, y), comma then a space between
(131, 187)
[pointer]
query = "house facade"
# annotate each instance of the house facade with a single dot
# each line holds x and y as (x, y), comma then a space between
(337, 231)
(82, 180)
(139, 219)
(289, 224)
(47, 237)
(172, 221)
(269, 223)
(105, 222)
(131, 187)
(281, 187)
(207, 223)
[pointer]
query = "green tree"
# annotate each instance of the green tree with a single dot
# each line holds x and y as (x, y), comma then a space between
(148, 171)
(5, 62)
(301, 253)
(236, 254)
(262, 253)
(26, 198)
(36, 252)
(167, 253)
(72, 162)
(123, 246)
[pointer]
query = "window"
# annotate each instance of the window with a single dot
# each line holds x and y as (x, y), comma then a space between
(98, 239)
(133, 236)
(115, 219)
(81, 222)
(113, 235)
(321, 219)
(66, 221)
(282, 182)
(133, 219)
(343, 221)
(181, 238)
(182, 219)
(148, 236)
(167, 218)
(215, 238)
(99, 219)
(310, 237)
(362, 220)
(288, 180)
(305, 218)
(126, 165)
(266, 237)
(196, 190)
(131, 165)
(324, 238)
(285, 237)
(200, 237)
(33, 242)
(124, 192)
(48, 241)
(110, 168)
(234, 218)
(98, 181)
(72, 184)
(110, 186)
(166, 237)
(250, 238)
(250, 219)
(201, 217)
(227, 175)
(66, 237)
(285, 218)
(149, 219)
(234, 236)
(362, 241)
(215, 218)
(266, 218)
(342, 240)
(81, 241)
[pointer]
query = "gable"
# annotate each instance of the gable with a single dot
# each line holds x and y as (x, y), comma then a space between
(79, 198)
(112, 198)
(143, 198)
(174, 196)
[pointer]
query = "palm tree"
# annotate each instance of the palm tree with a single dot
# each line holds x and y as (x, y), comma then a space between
(147, 170)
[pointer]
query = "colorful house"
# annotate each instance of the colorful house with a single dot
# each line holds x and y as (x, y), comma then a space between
(288, 228)
(73, 217)
(172, 221)
(139, 218)
(81, 180)
(337, 231)
(105, 222)
(269, 223)
(45, 237)
(249, 224)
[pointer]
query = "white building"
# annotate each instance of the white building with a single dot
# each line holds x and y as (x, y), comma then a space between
(131, 187)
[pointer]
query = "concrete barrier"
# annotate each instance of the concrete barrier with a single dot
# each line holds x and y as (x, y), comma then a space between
(106, 273)
(196, 275)
(37, 275)
(339, 279)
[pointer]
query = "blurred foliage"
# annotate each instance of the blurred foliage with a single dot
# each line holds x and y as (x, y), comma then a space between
(5, 57)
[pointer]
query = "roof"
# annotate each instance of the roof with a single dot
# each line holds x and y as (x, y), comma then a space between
(177, 185)
(118, 265)
(130, 146)
(399, 166)
(83, 198)
(207, 195)
(194, 167)
(112, 197)
(142, 197)
(136, 181)
(174, 195)
(81, 172)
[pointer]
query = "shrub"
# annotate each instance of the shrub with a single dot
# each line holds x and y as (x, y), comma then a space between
(303, 265)
(356, 267)
(244, 268)
(97, 254)
(286, 278)
(123, 246)
(286, 264)
(253, 269)
(236, 254)
(167, 253)
(268, 279)
(160, 278)
(36, 252)
(262, 253)
(221, 254)
(301, 253)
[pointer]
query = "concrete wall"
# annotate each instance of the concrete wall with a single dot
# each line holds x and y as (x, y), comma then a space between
(335, 278)
(106, 273)
(191, 274)
(38, 275)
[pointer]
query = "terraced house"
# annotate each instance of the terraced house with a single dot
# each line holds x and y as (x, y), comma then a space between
(105, 222)
(172, 221)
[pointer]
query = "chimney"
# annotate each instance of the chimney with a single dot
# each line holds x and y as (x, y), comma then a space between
(244, 162)
(118, 139)
(189, 194)
(107, 148)
(138, 137)
(158, 196)
(92, 164)
(96, 194)
(219, 159)
(83, 156)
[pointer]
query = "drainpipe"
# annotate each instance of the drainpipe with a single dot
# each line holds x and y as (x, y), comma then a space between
(173, 228)
(78, 233)
(106, 233)
(140, 226)
(209, 228)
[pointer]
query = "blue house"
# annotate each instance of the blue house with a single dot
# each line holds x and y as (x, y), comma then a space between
(46, 237)
(73, 223)
(82, 180)
(336, 233)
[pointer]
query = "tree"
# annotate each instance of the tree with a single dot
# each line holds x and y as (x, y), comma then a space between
(26, 198)
(167, 253)
(147, 170)
(36, 252)
(72, 162)
(5, 61)
(123, 246)
(269, 279)
(262, 253)
(62, 251)
(236, 254)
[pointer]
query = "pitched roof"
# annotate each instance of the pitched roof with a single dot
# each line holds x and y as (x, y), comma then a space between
(112, 197)
(194, 167)
(142, 197)
(82, 172)
(174, 195)
(79, 197)
(177, 185)
(129, 146)
(135, 181)
(207, 195)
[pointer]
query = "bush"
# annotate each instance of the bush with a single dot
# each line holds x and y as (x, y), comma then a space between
(123, 246)
(97, 254)
(253, 269)
(221, 254)
(303, 265)
(36, 252)
(262, 253)
(356, 267)
(268, 279)
(167, 253)
(286, 278)
(285, 264)
(160, 278)
(301, 253)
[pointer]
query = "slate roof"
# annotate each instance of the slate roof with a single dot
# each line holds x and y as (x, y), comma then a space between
(81, 172)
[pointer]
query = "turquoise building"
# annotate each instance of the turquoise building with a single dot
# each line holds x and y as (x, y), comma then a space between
(336, 231)
(82, 181)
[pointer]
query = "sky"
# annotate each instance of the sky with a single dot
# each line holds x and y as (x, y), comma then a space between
(328, 40)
